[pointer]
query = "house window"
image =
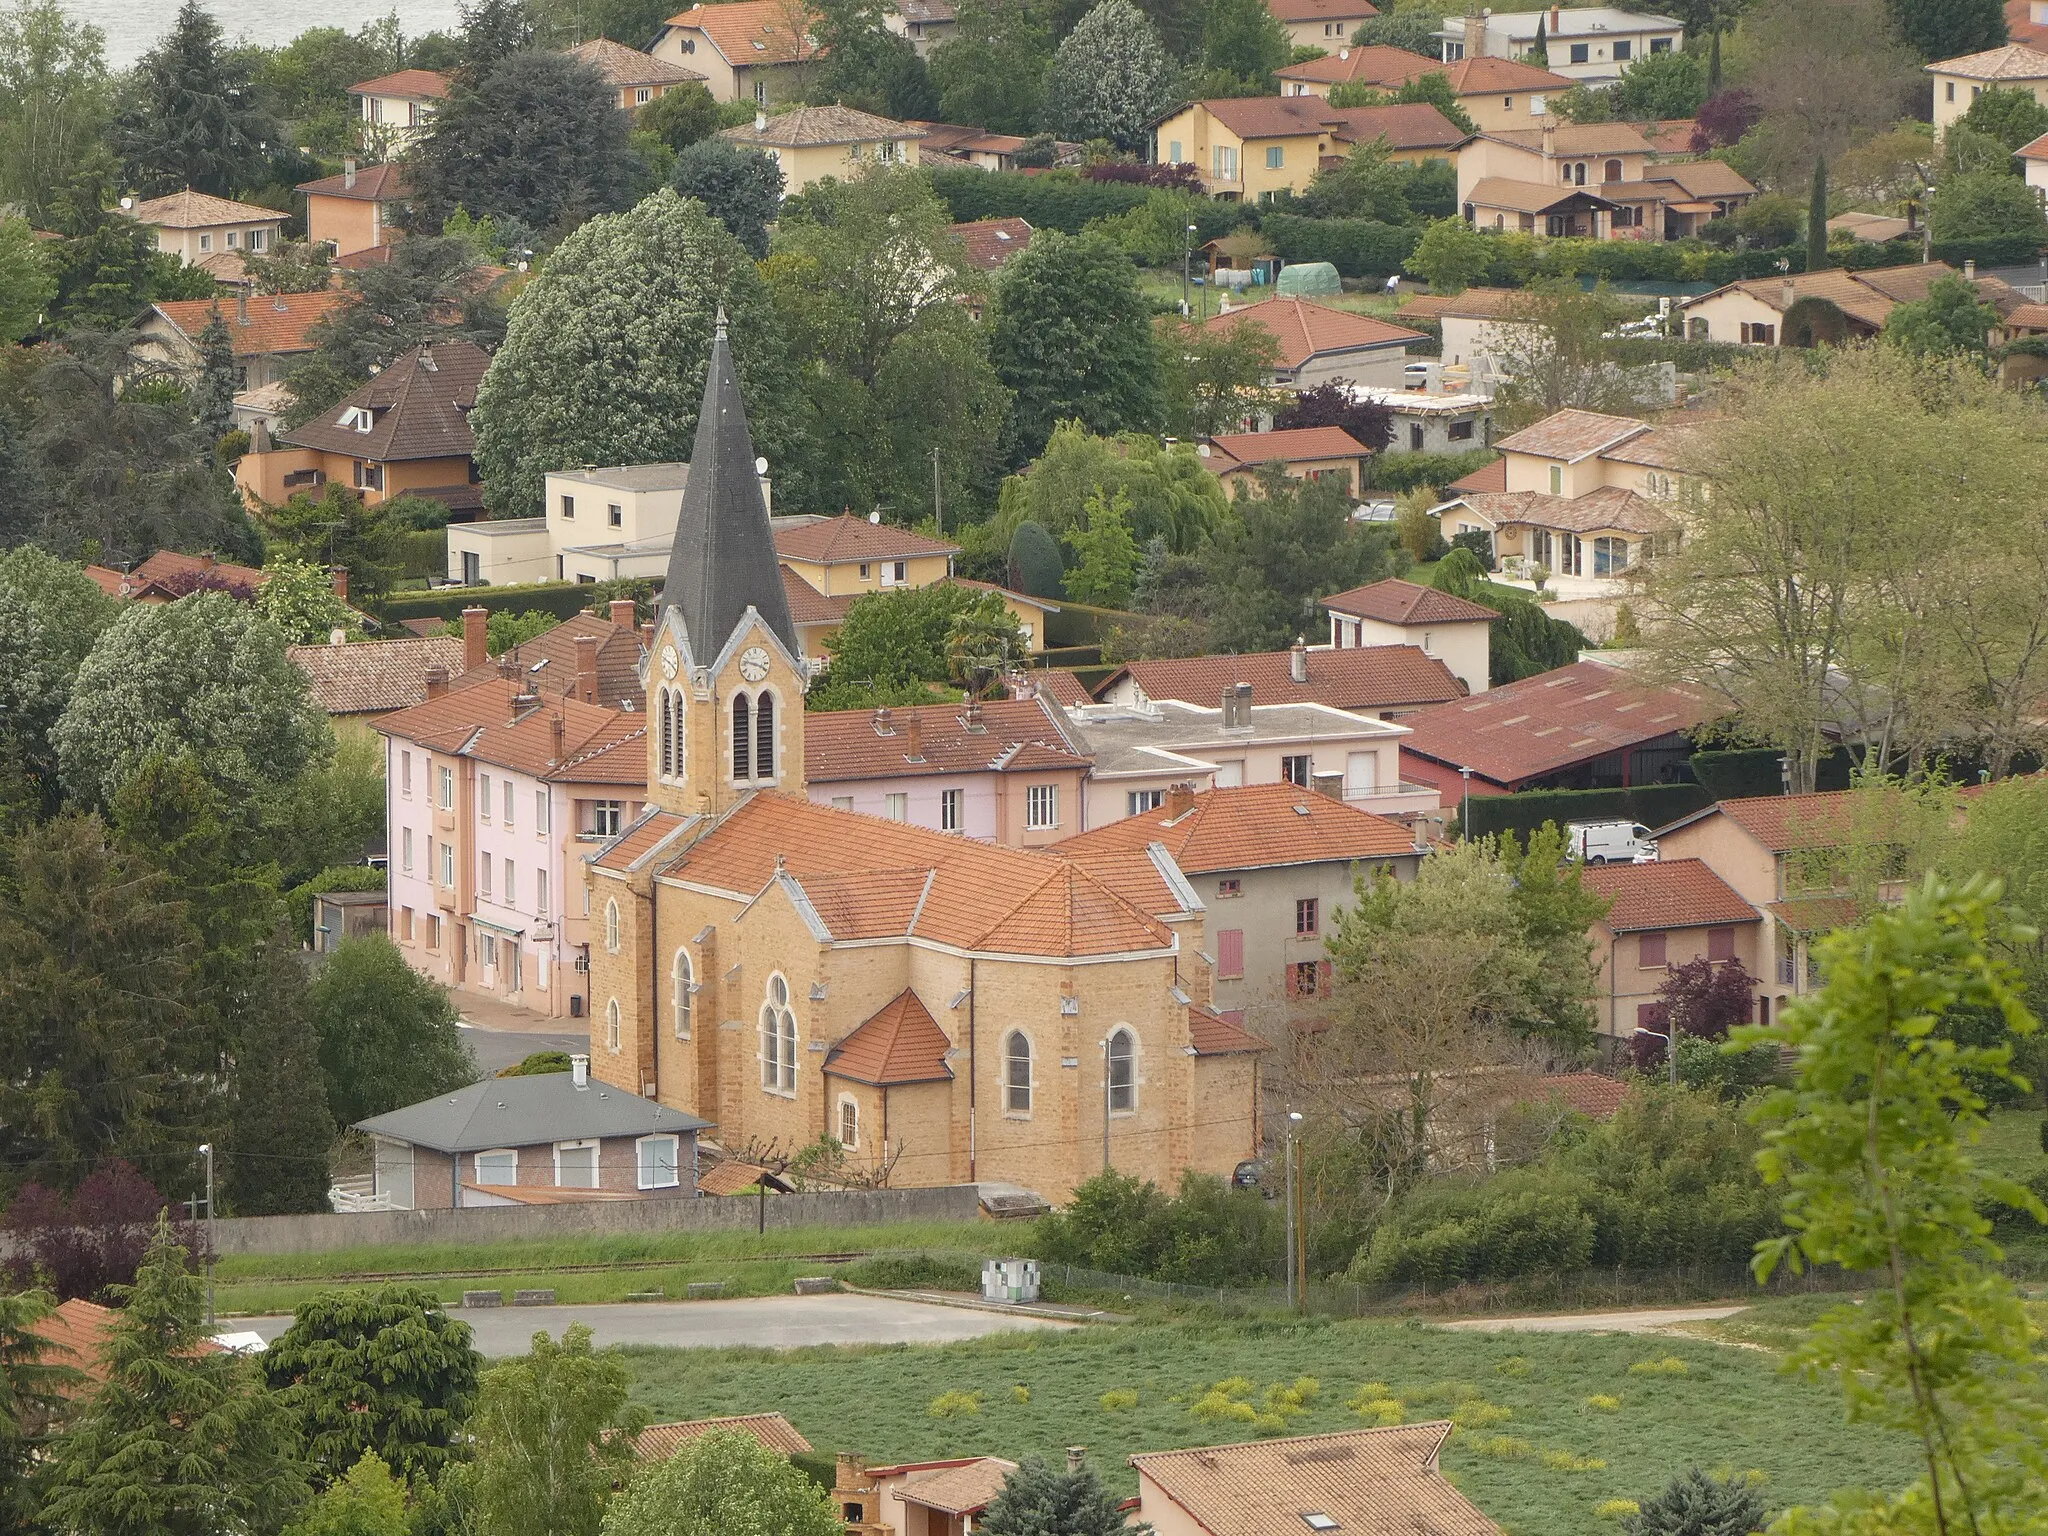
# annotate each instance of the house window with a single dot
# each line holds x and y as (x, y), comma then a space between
(259, 240)
(1306, 914)
(1173, 155)
(405, 924)
(487, 950)
(1140, 801)
(1308, 978)
(508, 803)
(1276, 156)
(1016, 1073)
(682, 984)
(1759, 335)
(1623, 49)
(448, 866)
(405, 850)
(234, 239)
(657, 1162)
(1461, 431)
(1415, 438)
(949, 810)
(569, 509)
(611, 1026)
(1224, 163)
(842, 802)
(1230, 954)
(1660, 45)
(540, 892)
(1651, 951)
(511, 884)
(472, 568)
(1230, 887)
(611, 926)
(1610, 556)
(778, 1038)
(1611, 171)
(1720, 943)
(614, 515)
(1557, 479)
(405, 774)
(484, 797)
(1294, 768)
(606, 816)
(206, 242)
(433, 931)
(447, 789)
(897, 807)
(895, 573)
(849, 1122)
(1951, 96)
(576, 1162)
(369, 477)
(1123, 1071)
(642, 95)
(1581, 52)
(540, 812)
(499, 1167)
(484, 879)
(1041, 808)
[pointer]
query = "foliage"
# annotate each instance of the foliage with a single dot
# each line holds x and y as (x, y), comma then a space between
(54, 102)
(1060, 200)
(34, 1381)
(1172, 495)
(581, 379)
(991, 71)
(724, 1483)
(1038, 1500)
(278, 1131)
(26, 283)
(1110, 78)
(1694, 1504)
(680, 116)
(387, 1033)
(742, 187)
(1244, 39)
(1106, 557)
(1434, 89)
(299, 598)
(507, 628)
(1948, 29)
(1332, 404)
(384, 1373)
(89, 1243)
(1987, 203)
(1527, 641)
(1365, 184)
(1290, 543)
(1451, 256)
(1803, 114)
(1873, 1145)
(1411, 28)
(1551, 350)
(1661, 85)
(1950, 319)
(864, 65)
(553, 1438)
(2006, 113)
(1215, 379)
(368, 1501)
(174, 1442)
(1035, 566)
(189, 116)
(50, 615)
(1071, 338)
(539, 1064)
(1207, 1234)
(1703, 999)
(893, 639)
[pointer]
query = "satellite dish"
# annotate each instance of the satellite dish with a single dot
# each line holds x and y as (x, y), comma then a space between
(875, 516)
(760, 466)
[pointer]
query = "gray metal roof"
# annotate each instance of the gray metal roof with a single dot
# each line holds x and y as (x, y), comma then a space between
(525, 1111)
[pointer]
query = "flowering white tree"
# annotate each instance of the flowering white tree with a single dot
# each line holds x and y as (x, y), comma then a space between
(1110, 78)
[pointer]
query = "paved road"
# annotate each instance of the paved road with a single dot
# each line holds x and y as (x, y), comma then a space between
(496, 1049)
(774, 1322)
(1647, 1320)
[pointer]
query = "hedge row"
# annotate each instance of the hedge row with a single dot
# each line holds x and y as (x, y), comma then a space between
(1405, 471)
(1690, 356)
(564, 599)
(1654, 805)
(1355, 247)
(1065, 202)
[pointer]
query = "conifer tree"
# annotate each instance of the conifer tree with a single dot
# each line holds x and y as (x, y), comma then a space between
(1038, 1500)
(213, 406)
(279, 1131)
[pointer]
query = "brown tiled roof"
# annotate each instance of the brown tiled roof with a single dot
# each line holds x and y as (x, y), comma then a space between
(1366, 677)
(1907, 285)
(1406, 125)
(1010, 594)
(1013, 736)
(750, 32)
(428, 83)
(1870, 296)
(1572, 435)
(2020, 26)
(1305, 330)
(170, 574)
(1546, 723)
(730, 1177)
(1607, 506)
(1472, 303)
(1672, 135)
(1882, 226)
(2015, 61)
(1671, 893)
(1817, 914)
(1394, 601)
(658, 1442)
(373, 184)
(198, 210)
(78, 1330)
(1487, 477)
(1577, 139)
(837, 539)
(1704, 178)
(901, 1043)
(807, 127)
(374, 676)
(991, 242)
(1527, 196)
(622, 66)
(1289, 445)
(107, 580)
(1213, 1035)
(1793, 823)
(2028, 317)
(1322, 10)
(601, 746)
(964, 1490)
(1377, 65)
(1662, 447)
(807, 605)
(1255, 826)
(1587, 1092)
(1370, 1482)
(548, 661)
(1060, 685)
(275, 323)
(2034, 149)
(420, 406)
(1488, 74)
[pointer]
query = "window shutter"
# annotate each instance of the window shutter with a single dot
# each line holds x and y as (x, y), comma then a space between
(1720, 943)
(1292, 989)
(1230, 953)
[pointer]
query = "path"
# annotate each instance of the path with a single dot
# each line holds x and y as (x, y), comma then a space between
(499, 1035)
(771, 1322)
(1643, 1320)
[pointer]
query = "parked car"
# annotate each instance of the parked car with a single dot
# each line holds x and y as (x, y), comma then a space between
(1612, 842)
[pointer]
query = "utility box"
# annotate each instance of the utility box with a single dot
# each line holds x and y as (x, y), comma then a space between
(1009, 1279)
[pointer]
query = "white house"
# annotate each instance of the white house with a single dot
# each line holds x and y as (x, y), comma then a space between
(1589, 44)
(1396, 612)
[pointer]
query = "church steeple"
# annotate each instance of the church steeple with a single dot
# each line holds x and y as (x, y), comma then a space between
(723, 560)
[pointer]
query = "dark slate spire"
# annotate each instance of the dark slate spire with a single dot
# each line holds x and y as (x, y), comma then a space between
(724, 558)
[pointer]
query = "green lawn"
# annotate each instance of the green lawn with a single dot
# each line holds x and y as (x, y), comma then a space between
(1534, 1469)
(1161, 289)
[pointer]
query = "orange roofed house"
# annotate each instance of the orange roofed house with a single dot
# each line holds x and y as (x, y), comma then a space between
(637, 78)
(790, 970)
(1317, 344)
(357, 210)
(397, 109)
(1494, 92)
(1668, 913)
(268, 334)
(744, 50)
(1256, 148)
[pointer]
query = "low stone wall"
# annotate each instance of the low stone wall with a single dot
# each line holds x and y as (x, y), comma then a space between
(610, 1218)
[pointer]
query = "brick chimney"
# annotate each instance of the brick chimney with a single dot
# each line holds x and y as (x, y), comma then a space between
(1076, 1455)
(1180, 799)
(348, 175)
(555, 749)
(913, 739)
(1475, 33)
(340, 577)
(1297, 660)
(241, 306)
(624, 614)
(437, 680)
(586, 668)
(474, 651)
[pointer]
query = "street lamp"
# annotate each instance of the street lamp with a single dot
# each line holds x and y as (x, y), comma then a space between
(212, 1229)
(1670, 1049)
(1295, 1237)
(1465, 807)
(1187, 257)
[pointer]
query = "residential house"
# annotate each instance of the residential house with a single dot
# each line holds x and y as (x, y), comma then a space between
(1271, 864)
(1598, 180)
(2019, 367)
(268, 336)
(1383, 68)
(357, 682)
(1662, 915)
(1495, 93)
(918, 1498)
(990, 243)
(1588, 498)
(1256, 148)
(359, 210)
(1675, 201)
(658, 1442)
(1302, 453)
(1588, 45)
(811, 143)
(1877, 228)
(2026, 21)
(2033, 157)
(958, 146)
(551, 1139)
(195, 227)
(924, 22)
(1960, 81)
(636, 78)
(1324, 24)
(1586, 726)
(397, 109)
(1320, 345)
(594, 657)
(1357, 1482)
(1470, 322)
(1752, 311)
(746, 50)
(404, 433)
(1388, 682)
(1441, 412)
(846, 556)
(1441, 624)
(167, 576)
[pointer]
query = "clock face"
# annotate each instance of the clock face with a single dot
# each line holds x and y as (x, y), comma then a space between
(669, 661)
(753, 663)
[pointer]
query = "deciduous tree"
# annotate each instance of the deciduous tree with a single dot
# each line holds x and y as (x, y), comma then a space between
(26, 282)
(1661, 85)
(54, 102)
(1948, 29)
(1332, 404)
(1552, 352)
(51, 612)
(741, 186)
(553, 1438)
(1986, 204)
(387, 1034)
(1451, 255)
(369, 1501)
(1289, 542)
(1245, 39)
(1951, 319)
(2007, 113)
(1217, 380)
(992, 69)
(722, 1484)
(1804, 113)
(1110, 78)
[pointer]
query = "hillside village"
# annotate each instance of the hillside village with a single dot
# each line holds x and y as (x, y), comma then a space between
(1221, 767)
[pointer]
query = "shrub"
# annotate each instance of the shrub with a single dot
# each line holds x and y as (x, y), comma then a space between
(1505, 1447)
(1117, 1400)
(1694, 1504)
(1355, 247)
(1514, 1365)
(1670, 1365)
(1601, 1402)
(93, 1240)
(955, 1404)
(1477, 1413)
(1020, 1393)
(1208, 1234)
(912, 1272)
(1614, 1509)
(539, 1064)
(1567, 1461)
(1215, 1407)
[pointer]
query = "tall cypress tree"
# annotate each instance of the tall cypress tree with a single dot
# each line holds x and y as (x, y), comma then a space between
(1714, 63)
(213, 407)
(1539, 51)
(279, 1131)
(1817, 217)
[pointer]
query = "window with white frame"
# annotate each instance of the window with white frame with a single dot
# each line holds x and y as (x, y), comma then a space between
(1041, 807)
(642, 94)
(484, 875)
(448, 866)
(405, 850)
(778, 1038)
(540, 812)
(405, 774)
(497, 1167)
(611, 926)
(611, 1026)
(1017, 1073)
(606, 816)
(949, 809)
(849, 1122)
(483, 799)
(487, 950)
(1140, 801)
(576, 1165)
(508, 805)
(447, 789)
(511, 884)
(896, 806)
(657, 1160)
(1123, 1071)
(540, 892)
(682, 985)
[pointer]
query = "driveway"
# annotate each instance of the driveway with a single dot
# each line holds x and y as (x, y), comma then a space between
(497, 1049)
(1646, 1320)
(771, 1322)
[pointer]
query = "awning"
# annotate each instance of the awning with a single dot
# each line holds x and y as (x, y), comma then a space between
(497, 927)
(1691, 207)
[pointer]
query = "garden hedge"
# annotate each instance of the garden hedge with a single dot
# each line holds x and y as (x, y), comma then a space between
(1355, 247)
(564, 599)
(1654, 805)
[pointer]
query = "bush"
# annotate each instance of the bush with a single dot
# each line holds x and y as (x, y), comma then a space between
(955, 1404)
(912, 1272)
(1062, 201)
(1117, 1400)
(1695, 1504)
(298, 901)
(1208, 1234)
(1654, 805)
(540, 1064)
(95, 1239)
(1409, 471)
(1667, 1365)
(1355, 247)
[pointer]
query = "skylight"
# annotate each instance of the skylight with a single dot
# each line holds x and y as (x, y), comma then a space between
(1318, 1522)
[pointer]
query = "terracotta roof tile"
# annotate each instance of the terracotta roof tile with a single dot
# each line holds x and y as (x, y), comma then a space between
(78, 1331)
(1366, 677)
(1253, 826)
(1587, 1092)
(1214, 1035)
(636, 842)
(2033, 149)
(1793, 823)
(901, 1043)
(957, 1491)
(482, 721)
(1578, 138)
(808, 127)
(1817, 914)
(835, 539)
(1060, 685)
(1406, 125)
(1376, 65)
(730, 1177)
(420, 406)
(1671, 893)
(1014, 735)
(1394, 601)
(622, 66)
(374, 676)
(658, 1442)
(1305, 330)
(1522, 196)
(172, 575)
(1606, 506)
(751, 32)
(548, 661)
(107, 580)
(807, 605)
(1489, 74)
(991, 242)
(371, 184)
(1488, 477)
(198, 210)
(1288, 445)
(2015, 61)
(429, 84)
(1322, 10)
(869, 904)
(271, 323)
(1572, 435)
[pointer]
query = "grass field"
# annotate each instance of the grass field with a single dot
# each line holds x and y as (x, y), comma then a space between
(1161, 289)
(1540, 1467)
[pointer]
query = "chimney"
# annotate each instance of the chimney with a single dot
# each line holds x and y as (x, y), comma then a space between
(241, 306)
(1555, 20)
(1076, 1454)
(1549, 139)
(624, 614)
(579, 1071)
(885, 723)
(348, 175)
(647, 636)
(340, 578)
(1297, 660)
(337, 636)
(259, 438)
(1180, 799)
(913, 749)
(973, 719)
(437, 680)
(1475, 33)
(760, 122)
(474, 651)
(1788, 294)
(1969, 271)
(555, 750)
(508, 664)
(586, 668)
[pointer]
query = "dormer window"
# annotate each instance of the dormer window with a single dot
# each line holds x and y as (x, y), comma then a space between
(357, 419)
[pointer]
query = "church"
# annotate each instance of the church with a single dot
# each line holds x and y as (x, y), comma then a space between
(951, 1010)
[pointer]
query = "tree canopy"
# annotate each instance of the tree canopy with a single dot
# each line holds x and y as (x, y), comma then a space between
(1110, 78)
(387, 1033)
(724, 1483)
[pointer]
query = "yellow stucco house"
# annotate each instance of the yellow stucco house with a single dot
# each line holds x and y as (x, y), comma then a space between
(1958, 82)
(1495, 92)
(744, 50)
(1253, 148)
(811, 143)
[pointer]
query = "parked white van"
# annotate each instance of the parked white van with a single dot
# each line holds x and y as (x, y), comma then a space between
(1612, 842)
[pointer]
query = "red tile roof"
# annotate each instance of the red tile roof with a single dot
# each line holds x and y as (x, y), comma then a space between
(419, 407)
(271, 324)
(168, 574)
(1572, 435)
(374, 676)
(2020, 26)
(1394, 601)
(1405, 125)
(832, 540)
(1488, 477)
(1793, 823)
(547, 662)
(1305, 330)
(1255, 826)
(598, 745)
(751, 32)
(1587, 1092)
(1545, 724)
(991, 242)
(107, 580)
(956, 1491)
(429, 84)
(78, 1330)
(200, 210)
(1060, 685)
(1488, 74)
(1213, 1035)
(1817, 914)
(1376, 65)
(807, 605)
(1672, 893)
(1605, 506)
(1322, 10)
(1367, 677)
(1289, 445)
(658, 1442)
(1010, 736)
(371, 184)
(902, 1043)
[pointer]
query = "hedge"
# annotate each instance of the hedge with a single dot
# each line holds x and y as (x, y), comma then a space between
(1689, 356)
(1066, 202)
(1988, 251)
(564, 599)
(1747, 772)
(1654, 805)
(1355, 247)
(1405, 471)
